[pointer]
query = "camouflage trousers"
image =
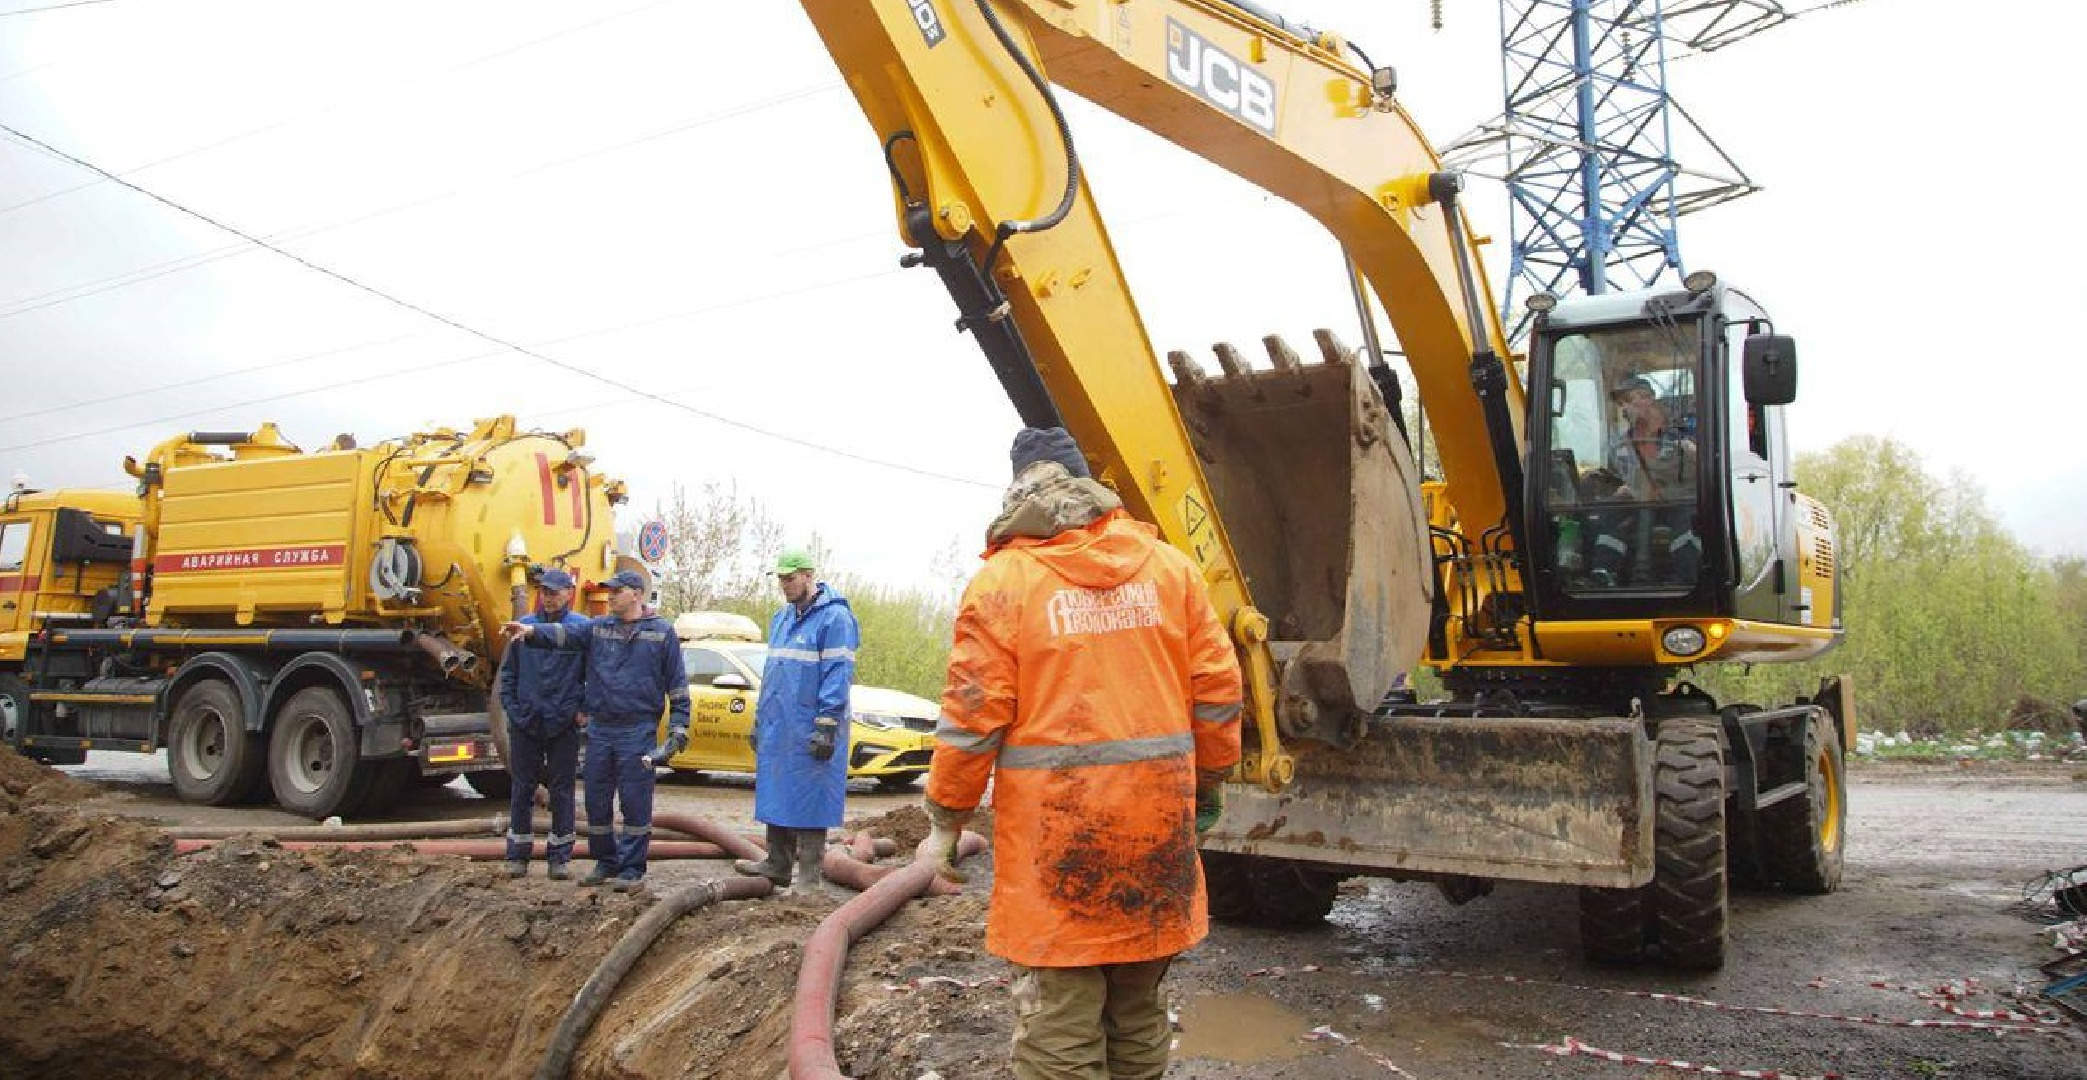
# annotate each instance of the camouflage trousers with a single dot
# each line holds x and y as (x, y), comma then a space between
(1091, 1023)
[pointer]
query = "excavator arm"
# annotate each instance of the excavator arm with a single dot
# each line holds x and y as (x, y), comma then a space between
(989, 190)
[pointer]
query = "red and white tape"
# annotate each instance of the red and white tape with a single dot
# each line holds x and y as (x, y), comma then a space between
(1572, 1047)
(1994, 1025)
(1323, 1033)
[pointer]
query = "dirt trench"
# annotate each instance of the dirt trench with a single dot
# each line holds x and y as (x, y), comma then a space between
(252, 961)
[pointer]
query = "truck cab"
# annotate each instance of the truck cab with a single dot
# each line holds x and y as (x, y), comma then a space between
(63, 562)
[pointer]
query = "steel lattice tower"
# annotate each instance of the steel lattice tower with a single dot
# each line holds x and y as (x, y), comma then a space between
(1588, 138)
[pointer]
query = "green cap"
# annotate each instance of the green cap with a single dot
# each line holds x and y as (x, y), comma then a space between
(793, 560)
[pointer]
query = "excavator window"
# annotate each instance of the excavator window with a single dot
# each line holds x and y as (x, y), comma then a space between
(1628, 428)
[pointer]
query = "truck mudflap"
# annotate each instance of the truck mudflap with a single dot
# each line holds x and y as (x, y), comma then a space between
(1567, 801)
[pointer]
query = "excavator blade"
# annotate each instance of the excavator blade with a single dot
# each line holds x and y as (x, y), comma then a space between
(1321, 503)
(1562, 800)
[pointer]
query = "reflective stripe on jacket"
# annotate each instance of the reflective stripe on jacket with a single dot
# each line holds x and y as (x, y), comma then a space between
(1089, 680)
(811, 665)
(540, 689)
(632, 667)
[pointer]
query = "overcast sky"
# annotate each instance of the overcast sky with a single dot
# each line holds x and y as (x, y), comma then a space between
(678, 197)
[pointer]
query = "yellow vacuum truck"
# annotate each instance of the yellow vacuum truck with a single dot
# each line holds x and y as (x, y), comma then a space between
(319, 625)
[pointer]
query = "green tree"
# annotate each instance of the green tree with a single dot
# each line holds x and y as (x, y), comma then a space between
(716, 541)
(1952, 625)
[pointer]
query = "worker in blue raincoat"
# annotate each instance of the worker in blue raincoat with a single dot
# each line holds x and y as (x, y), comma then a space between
(801, 724)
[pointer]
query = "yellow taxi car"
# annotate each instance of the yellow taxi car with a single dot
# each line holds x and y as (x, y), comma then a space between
(891, 734)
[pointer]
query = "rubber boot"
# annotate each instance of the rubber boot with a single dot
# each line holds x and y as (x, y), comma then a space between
(782, 849)
(811, 848)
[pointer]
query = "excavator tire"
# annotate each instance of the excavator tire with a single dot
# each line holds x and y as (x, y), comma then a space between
(1613, 925)
(1257, 891)
(1225, 880)
(1688, 894)
(1801, 839)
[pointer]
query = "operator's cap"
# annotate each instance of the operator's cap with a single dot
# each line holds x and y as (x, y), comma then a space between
(626, 579)
(554, 578)
(792, 560)
(1634, 382)
(1047, 444)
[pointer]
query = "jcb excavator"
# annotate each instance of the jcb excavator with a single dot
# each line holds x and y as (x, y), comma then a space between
(1586, 543)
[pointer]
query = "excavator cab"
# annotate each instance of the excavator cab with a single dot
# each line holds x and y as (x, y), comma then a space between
(1655, 475)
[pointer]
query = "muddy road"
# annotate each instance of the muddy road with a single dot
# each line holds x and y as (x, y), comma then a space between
(1399, 983)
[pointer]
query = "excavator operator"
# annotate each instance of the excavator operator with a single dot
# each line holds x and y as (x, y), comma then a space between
(1650, 461)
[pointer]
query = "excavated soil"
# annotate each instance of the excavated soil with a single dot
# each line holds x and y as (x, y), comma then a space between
(249, 960)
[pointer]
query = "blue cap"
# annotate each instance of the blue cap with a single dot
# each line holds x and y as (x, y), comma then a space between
(1047, 444)
(554, 578)
(627, 579)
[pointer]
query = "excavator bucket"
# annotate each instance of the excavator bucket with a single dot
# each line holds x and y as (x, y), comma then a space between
(1322, 507)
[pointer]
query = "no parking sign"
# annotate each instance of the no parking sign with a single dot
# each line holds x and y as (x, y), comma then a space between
(652, 541)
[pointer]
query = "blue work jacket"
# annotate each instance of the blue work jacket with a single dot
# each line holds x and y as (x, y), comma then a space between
(633, 668)
(811, 665)
(540, 689)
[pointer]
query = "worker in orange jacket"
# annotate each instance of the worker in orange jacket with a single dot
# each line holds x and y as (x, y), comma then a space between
(1091, 682)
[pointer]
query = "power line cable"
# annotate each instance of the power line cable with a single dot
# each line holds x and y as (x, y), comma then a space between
(332, 106)
(53, 7)
(139, 275)
(104, 399)
(446, 320)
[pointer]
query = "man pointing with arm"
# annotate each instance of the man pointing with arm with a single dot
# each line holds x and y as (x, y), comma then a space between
(634, 671)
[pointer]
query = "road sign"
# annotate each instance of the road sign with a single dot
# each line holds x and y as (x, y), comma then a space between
(652, 541)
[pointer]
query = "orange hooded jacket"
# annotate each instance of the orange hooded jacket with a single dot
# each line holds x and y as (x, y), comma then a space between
(1090, 680)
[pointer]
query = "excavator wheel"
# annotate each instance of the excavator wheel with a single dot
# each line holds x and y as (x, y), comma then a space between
(1613, 926)
(1257, 891)
(1801, 838)
(1688, 895)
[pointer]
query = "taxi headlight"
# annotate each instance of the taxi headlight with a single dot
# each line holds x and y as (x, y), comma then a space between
(1683, 640)
(880, 721)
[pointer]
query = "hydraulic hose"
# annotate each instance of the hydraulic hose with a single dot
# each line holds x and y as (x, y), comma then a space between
(595, 993)
(819, 977)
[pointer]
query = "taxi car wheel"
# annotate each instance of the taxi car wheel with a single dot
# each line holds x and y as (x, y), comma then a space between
(898, 781)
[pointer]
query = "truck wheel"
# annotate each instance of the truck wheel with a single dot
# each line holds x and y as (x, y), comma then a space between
(491, 783)
(1801, 839)
(1613, 925)
(315, 756)
(213, 758)
(1688, 898)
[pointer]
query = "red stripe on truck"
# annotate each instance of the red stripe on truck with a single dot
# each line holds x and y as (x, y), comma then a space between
(550, 490)
(189, 562)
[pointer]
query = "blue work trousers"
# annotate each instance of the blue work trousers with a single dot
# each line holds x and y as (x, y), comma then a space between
(554, 763)
(617, 773)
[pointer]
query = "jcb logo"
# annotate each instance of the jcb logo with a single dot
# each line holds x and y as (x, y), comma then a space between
(1219, 77)
(930, 23)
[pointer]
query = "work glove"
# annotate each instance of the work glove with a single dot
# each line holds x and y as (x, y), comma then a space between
(941, 844)
(677, 741)
(825, 730)
(1210, 801)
